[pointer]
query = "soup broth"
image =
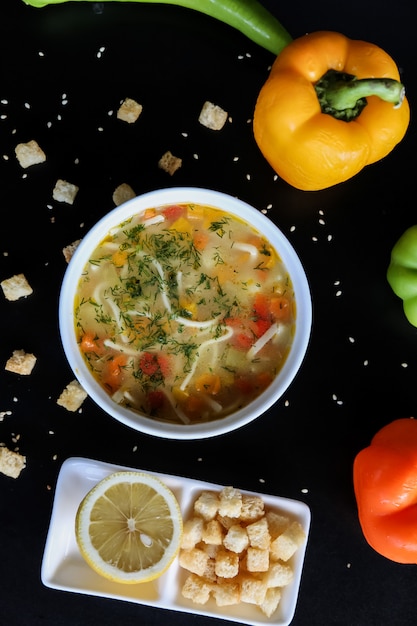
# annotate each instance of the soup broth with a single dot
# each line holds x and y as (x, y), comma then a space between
(185, 313)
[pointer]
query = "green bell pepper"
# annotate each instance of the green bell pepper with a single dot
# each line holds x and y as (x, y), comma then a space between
(248, 16)
(402, 272)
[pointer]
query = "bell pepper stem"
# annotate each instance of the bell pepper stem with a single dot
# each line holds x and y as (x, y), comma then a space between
(344, 96)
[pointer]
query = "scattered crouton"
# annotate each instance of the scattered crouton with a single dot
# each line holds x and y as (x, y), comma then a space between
(64, 191)
(69, 250)
(212, 116)
(123, 193)
(16, 287)
(169, 163)
(129, 111)
(72, 397)
(21, 362)
(29, 153)
(11, 463)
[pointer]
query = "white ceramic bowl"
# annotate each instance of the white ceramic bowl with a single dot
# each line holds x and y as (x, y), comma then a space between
(231, 205)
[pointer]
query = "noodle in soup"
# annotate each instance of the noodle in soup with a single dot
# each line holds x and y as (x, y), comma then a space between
(185, 313)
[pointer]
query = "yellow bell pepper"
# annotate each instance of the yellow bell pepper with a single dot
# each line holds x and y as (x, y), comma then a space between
(330, 106)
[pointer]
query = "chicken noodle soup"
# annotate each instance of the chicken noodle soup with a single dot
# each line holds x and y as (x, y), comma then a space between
(185, 313)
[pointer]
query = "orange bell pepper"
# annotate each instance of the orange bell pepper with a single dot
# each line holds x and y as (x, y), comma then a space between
(330, 106)
(385, 484)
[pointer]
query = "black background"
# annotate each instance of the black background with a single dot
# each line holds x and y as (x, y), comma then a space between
(360, 371)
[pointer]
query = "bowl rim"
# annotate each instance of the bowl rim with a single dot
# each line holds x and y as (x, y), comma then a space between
(235, 206)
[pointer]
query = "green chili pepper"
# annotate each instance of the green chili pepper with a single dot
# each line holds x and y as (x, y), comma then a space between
(248, 16)
(402, 272)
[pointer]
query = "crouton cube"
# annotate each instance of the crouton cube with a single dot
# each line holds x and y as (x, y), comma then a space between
(278, 575)
(236, 539)
(252, 590)
(230, 502)
(11, 463)
(258, 533)
(64, 191)
(194, 560)
(257, 560)
(196, 589)
(226, 564)
(212, 533)
(211, 549)
(271, 601)
(169, 163)
(29, 153)
(72, 396)
(123, 193)
(212, 116)
(210, 571)
(129, 111)
(253, 508)
(226, 522)
(288, 542)
(277, 523)
(226, 592)
(16, 287)
(21, 362)
(69, 250)
(192, 532)
(207, 505)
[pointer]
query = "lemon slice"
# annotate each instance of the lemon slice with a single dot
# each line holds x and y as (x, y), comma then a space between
(129, 527)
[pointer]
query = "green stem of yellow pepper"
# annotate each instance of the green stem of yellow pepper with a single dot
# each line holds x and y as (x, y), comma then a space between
(344, 96)
(248, 16)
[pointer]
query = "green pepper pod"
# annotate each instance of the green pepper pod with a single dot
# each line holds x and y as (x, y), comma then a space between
(248, 16)
(402, 272)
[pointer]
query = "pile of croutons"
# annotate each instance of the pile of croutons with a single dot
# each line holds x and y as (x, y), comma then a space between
(237, 550)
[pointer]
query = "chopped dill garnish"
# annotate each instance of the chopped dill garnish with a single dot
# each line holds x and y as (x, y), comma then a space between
(218, 227)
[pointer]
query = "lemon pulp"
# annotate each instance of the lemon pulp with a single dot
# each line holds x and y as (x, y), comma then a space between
(129, 526)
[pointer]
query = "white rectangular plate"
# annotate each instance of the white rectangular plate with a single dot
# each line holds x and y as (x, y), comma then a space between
(64, 568)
